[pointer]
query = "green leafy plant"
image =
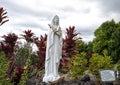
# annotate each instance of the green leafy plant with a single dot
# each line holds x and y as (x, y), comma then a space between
(21, 56)
(25, 74)
(28, 36)
(107, 36)
(3, 68)
(8, 46)
(23, 65)
(98, 62)
(117, 66)
(77, 65)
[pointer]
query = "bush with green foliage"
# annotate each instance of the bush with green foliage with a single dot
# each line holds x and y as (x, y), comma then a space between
(3, 69)
(24, 76)
(22, 55)
(117, 66)
(98, 62)
(79, 64)
(25, 54)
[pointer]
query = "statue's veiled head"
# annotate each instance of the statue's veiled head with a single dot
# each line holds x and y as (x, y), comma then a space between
(55, 20)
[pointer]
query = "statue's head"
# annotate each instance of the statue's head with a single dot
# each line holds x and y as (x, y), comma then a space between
(55, 20)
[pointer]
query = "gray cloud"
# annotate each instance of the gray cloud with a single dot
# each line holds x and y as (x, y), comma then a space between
(13, 8)
(70, 9)
(109, 6)
(86, 31)
(67, 9)
(87, 34)
(28, 17)
(18, 10)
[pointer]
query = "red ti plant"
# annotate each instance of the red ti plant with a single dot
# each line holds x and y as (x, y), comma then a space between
(69, 48)
(17, 76)
(41, 45)
(3, 16)
(8, 44)
(8, 47)
(28, 36)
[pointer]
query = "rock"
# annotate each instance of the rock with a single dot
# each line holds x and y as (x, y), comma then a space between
(42, 83)
(57, 82)
(117, 82)
(31, 81)
(93, 78)
(66, 77)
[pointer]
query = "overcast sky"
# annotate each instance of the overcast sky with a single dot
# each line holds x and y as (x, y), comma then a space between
(85, 15)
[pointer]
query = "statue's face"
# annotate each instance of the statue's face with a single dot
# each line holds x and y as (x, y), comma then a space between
(56, 20)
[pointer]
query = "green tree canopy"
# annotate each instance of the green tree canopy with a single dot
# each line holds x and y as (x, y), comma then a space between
(107, 37)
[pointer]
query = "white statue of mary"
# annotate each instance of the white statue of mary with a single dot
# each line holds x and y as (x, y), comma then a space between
(53, 51)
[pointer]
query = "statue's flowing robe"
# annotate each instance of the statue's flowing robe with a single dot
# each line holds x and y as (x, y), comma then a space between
(53, 55)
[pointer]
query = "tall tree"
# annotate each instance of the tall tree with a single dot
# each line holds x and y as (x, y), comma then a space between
(115, 45)
(107, 37)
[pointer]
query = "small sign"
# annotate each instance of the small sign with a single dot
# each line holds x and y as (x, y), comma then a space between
(108, 75)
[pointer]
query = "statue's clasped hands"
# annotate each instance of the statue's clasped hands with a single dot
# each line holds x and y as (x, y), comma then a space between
(57, 32)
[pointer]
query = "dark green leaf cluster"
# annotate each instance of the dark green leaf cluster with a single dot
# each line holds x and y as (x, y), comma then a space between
(3, 68)
(98, 62)
(78, 64)
(107, 37)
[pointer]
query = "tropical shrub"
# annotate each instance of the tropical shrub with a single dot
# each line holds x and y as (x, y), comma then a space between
(3, 68)
(8, 45)
(26, 72)
(41, 45)
(21, 56)
(98, 62)
(17, 56)
(27, 49)
(77, 65)
(69, 48)
(117, 66)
